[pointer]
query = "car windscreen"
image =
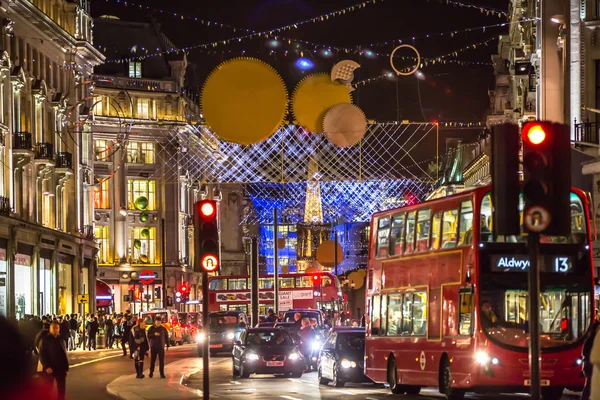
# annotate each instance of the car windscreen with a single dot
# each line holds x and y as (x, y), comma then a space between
(289, 316)
(353, 342)
(223, 321)
(276, 337)
(151, 316)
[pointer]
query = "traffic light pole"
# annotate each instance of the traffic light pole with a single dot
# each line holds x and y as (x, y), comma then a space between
(254, 278)
(163, 257)
(533, 246)
(205, 348)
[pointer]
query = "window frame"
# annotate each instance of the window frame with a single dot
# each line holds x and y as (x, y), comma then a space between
(402, 237)
(456, 229)
(137, 69)
(431, 230)
(377, 237)
(408, 216)
(417, 222)
(460, 214)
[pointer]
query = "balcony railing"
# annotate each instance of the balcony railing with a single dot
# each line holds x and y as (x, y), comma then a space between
(136, 83)
(44, 151)
(64, 160)
(22, 141)
(586, 132)
(4, 206)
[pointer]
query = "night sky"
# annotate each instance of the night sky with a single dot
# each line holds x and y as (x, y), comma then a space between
(448, 92)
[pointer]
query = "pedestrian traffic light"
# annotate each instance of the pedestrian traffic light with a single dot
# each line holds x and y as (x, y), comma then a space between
(546, 178)
(505, 179)
(178, 297)
(169, 301)
(206, 236)
(157, 293)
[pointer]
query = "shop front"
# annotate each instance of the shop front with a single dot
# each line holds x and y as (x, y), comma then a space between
(3, 277)
(104, 298)
(24, 281)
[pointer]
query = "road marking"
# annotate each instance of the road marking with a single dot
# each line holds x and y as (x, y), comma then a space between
(93, 361)
(290, 398)
(343, 392)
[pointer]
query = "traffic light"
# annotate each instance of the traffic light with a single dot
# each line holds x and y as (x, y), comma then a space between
(505, 179)
(157, 293)
(546, 178)
(169, 301)
(206, 236)
(178, 297)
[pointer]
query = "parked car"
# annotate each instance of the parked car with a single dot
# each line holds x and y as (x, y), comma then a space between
(224, 327)
(341, 358)
(266, 351)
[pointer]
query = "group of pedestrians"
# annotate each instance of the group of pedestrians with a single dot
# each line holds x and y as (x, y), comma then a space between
(153, 340)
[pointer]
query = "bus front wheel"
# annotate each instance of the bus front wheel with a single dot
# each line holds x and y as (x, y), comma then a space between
(392, 374)
(446, 382)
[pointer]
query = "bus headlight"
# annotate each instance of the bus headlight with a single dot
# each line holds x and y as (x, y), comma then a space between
(482, 357)
(200, 337)
(230, 336)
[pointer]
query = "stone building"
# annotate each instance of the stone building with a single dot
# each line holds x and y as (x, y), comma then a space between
(47, 248)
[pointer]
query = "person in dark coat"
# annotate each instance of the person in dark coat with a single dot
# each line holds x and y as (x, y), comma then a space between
(53, 357)
(73, 325)
(271, 317)
(139, 345)
(65, 331)
(92, 331)
(158, 337)
(109, 328)
(588, 367)
(126, 326)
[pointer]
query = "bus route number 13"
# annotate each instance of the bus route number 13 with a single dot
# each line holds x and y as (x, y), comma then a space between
(561, 264)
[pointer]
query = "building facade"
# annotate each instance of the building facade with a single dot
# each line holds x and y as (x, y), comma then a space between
(142, 200)
(47, 247)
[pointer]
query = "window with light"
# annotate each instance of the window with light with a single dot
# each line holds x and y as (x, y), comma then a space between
(141, 194)
(140, 153)
(135, 69)
(101, 235)
(101, 194)
(102, 150)
(142, 245)
(143, 108)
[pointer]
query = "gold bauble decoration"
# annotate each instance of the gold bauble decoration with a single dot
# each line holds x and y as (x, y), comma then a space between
(345, 125)
(244, 101)
(313, 97)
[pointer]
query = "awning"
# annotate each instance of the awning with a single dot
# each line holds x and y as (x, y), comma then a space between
(103, 294)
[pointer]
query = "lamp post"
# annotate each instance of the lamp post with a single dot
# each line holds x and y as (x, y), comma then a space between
(112, 292)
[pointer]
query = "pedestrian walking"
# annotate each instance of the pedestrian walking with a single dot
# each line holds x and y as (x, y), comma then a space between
(109, 328)
(73, 332)
(92, 331)
(65, 330)
(126, 325)
(588, 367)
(53, 357)
(158, 337)
(139, 343)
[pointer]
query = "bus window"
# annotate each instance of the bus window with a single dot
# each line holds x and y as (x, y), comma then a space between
(465, 227)
(286, 283)
(304, 282)
(394, 314)
(237, 284)
(375, 316)
(423, 222)
(265, 283)
(485, 219)
(397, 235)
(449, 229)
(465, 312)
(435, 230)
(410, 232)
(384, 313)
(218, 284)
(325, 281)
(419, 314)
(406, 314)
(383, 233)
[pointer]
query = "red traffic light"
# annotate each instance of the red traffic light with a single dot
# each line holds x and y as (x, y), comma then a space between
(183, 288)
(534, 134)
(209, 263)
(207, 209)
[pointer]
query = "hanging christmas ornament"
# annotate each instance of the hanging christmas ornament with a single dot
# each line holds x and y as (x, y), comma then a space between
(141, 203)
(345, 125)
(313, 96)
(244, 101)
(137, 243)
(143, 258)
(144, 217)
(145, 233)
(344, 72)
(417, 65)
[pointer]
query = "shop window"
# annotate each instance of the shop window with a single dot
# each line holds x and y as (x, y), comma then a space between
(101, 236)
(397, 235)
(449, 229)
(141, 194)
(383, 233)
(23, 286)
(466, 223)
(135, 69)
(410, 232)
(101, 195)
(142, 245)
(375, 315)
(423, 227)
(435, 230)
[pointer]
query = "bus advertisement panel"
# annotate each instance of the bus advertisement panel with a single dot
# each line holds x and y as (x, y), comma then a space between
(447, 299)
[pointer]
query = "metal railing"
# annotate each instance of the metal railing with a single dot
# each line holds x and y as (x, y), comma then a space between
(586, 132)
(44, 151)
(22, 141)
(135, 83)
(64, 160)
(5, 206)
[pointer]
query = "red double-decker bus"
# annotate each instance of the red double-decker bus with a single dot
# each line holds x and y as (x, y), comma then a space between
(319, 290)
(447, 300)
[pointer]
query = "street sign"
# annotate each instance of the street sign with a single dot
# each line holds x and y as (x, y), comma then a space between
(83, 299)
(537, 219)
(147, 277)
(209, 263)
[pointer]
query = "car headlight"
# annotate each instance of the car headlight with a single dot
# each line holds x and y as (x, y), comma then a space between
(230, 336)
(316, 345)
(482, 357)
(251, 356)
(200, 337)
(293, 356)
(348, 364)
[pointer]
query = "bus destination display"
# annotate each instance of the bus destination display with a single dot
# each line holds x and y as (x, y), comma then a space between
(520, 262)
